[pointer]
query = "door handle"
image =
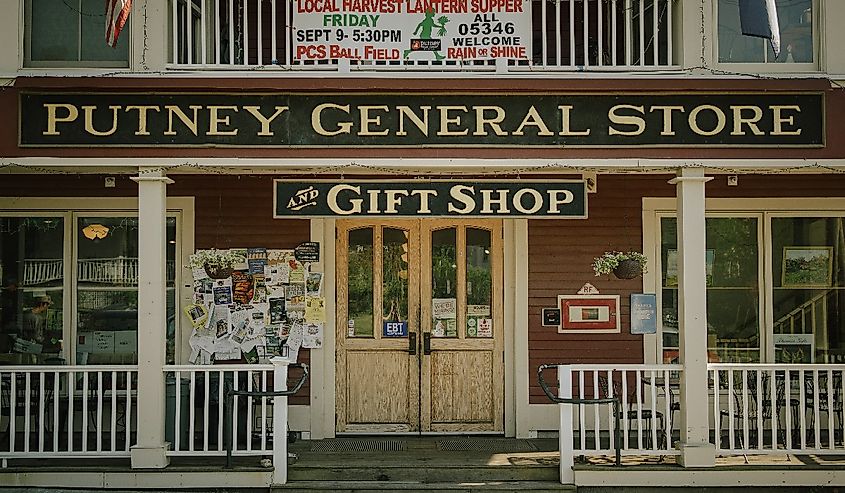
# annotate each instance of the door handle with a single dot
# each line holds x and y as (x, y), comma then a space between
(426, 343)
(412, 343)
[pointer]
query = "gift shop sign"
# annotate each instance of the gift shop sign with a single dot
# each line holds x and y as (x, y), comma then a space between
(550, 199)
(411, 30)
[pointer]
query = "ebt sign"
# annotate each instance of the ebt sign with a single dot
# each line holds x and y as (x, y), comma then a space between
(550, 199)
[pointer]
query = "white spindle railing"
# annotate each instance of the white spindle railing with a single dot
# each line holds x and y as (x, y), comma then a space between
(568, 35)
(777, 408)
(38, 271)
(67, 411)
(196, 414)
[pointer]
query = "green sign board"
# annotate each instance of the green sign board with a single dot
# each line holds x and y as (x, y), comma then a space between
(421, 120)
(548, 199)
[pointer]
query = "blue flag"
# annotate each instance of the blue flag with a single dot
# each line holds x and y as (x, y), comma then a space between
(760, 18)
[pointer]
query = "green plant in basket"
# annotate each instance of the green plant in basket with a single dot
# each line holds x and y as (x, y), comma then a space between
(625, 265)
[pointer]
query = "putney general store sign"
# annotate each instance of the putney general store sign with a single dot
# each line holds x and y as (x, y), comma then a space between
(552, 199)
(421, 120)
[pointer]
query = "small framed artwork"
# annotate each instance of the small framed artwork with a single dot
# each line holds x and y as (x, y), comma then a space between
(807, 267)
(589, 314)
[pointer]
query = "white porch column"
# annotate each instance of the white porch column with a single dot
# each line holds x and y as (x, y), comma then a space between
(696, 449)
(149, 450)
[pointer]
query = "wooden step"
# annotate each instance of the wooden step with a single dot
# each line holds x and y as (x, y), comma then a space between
(423, 474)
(411, 486)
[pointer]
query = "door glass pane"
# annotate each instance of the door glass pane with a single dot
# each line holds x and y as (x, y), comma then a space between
(444, 283)
(395, 280)
(31, 293)
(731, 263)
(808, 275)
(107, 289)
(360, 283)
(479, 271)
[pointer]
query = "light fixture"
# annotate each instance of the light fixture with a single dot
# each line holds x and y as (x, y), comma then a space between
(95, 231)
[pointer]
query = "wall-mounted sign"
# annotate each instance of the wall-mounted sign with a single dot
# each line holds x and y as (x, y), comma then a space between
(307, 252)
(551, 317)
(422, 120)
(548, 199)
(589, 313)
(643, 313)
(411, 30)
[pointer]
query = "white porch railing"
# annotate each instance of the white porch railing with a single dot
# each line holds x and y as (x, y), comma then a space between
(568, 35)
(197, 412)
(38, 271)
(777, 408)
(647, 405)
(67, 411)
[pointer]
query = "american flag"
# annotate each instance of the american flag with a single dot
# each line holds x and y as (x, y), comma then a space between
(117, 11)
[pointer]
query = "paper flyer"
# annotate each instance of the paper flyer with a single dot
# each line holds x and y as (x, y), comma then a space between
(241, 252)
(256, 259)
(444, 308)
(313, 337)
(277, 310)
(314, 284)
(197, 314)
(315, 310)
(222, 290)
(242, 288)
(222, 323)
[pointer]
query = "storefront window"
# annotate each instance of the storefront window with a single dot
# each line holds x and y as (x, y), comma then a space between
(479, 271)
(360, 284)
(107, 289)
(808, 278)
(795, 18)
(733, 296)
(32, 293)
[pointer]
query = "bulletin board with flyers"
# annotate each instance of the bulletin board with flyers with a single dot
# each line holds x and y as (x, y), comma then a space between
(269, 304)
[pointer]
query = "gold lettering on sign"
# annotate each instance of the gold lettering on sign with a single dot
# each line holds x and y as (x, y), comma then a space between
(331, 200)
(739, 120)
(445, 120)
(424, 196)
(459, 193)
(394, 198)
(481, 120)
(421, 123)
(555, 201)
(533, 119)
(188, 122)
(142, 117)
(488, 201)
(89, 121)
(720, 120)
(565, 112)
(317, 124)
(53, 117)
(265, 122)
(632, 120)
(779, 119)
(535, 195)
(214, 120)
(667, 117)
(367, 120)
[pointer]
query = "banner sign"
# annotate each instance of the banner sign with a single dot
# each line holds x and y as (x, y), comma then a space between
(422, 120)
(413, 30)
(550, 199)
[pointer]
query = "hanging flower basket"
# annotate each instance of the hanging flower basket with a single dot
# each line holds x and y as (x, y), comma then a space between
(218, 264)
(628, 269)
(627, 265)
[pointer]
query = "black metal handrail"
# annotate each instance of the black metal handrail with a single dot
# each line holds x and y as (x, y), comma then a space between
(229, 398)
(617, 404)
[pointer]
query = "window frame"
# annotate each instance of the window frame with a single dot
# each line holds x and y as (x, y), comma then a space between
(770, 67)
(654, 209)
(70, 210)
(28, 62)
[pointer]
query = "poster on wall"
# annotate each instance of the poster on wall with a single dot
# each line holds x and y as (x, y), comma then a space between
(643, 313)
(412, 30)
(269, 305)
(589, 313)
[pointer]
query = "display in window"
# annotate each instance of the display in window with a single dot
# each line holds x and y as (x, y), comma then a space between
(807, 267)
(672, 267)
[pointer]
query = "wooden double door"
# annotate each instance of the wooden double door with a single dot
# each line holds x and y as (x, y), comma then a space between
(419, 326)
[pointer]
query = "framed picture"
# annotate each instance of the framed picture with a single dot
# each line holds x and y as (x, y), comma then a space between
(672, 267)
(807, 267)
(587, 313)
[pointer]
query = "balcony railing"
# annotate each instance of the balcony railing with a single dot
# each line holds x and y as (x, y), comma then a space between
(566, 35)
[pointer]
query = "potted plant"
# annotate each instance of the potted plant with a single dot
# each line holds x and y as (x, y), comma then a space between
(624, 265)
(218, 264)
